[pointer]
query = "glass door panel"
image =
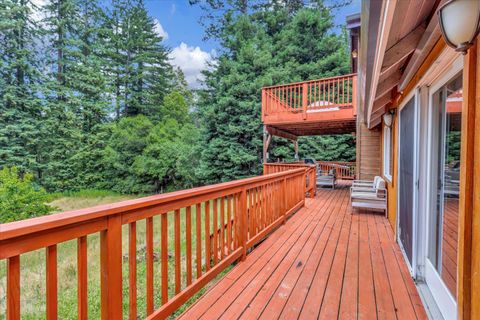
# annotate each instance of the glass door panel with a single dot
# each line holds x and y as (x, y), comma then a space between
(443, 226)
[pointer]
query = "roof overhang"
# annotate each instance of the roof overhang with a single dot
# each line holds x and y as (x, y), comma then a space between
(396, 37)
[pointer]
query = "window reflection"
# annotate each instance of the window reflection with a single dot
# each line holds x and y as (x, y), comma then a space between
(443, 242)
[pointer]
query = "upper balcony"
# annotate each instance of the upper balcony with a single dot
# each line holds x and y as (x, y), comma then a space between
(324, 106)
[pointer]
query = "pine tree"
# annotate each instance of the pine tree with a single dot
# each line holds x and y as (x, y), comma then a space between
(20, 104)
(264, 43)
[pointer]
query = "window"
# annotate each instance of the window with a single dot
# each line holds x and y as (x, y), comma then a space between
(387, 153)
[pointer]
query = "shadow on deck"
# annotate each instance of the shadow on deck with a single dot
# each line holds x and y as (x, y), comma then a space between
(326, 262)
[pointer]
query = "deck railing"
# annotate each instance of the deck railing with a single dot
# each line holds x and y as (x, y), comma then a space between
(310, 183)
(218, 223)
(345, 170)
(328, 94)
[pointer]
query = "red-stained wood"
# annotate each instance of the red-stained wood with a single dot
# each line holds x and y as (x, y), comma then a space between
(13, 288)
(198, 238)
(149, 262)
(208, 253)
(246, 202)
(178, 266)
(82, 281)
(222, 228)
(229, 224)
(111, 269)
(52, 283)
(132, 270)
(164, 252)
(223, 294)
(215, 231)
(188, 240)
(324, 263)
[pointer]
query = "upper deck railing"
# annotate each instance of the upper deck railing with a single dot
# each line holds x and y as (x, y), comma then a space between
(310, 100)
(210, 228)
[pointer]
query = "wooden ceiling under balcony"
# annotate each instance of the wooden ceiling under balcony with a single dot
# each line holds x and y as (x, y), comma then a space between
(316, 107)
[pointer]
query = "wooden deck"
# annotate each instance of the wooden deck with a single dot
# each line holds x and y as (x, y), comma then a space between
(326, 262)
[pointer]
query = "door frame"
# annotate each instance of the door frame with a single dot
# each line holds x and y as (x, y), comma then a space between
(411, 265)
(442, 296)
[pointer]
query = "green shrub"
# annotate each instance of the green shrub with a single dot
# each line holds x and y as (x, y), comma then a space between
(19, 198)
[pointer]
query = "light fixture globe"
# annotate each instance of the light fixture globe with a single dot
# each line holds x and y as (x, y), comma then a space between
(388, 119)
(459, 21)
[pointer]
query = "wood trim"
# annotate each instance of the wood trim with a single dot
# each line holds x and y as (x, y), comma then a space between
(468, 244)
(427, 63)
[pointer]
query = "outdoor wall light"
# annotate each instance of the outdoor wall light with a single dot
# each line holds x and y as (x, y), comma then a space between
(459, 22)
(388, 119)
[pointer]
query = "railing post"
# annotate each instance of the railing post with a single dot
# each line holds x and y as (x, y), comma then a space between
(244, 223)
(111, 269)
(304, 99)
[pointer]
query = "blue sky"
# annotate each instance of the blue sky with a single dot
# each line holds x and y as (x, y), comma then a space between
(178, 22)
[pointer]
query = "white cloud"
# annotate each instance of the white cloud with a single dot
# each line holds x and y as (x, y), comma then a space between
(173, 9)
(159, 29)
(192, 60)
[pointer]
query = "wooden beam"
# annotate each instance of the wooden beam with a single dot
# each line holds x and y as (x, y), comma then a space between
(386, 85)
(397, 54)
(424, 67)
(382, 101)
(425, 45)
(281, 133)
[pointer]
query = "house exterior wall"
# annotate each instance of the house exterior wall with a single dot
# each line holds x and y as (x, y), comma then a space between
(368, 151)
(391, 184)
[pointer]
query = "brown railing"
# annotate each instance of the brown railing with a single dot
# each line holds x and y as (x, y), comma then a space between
(310, 183)
(345, 170)
(310, 97)
(227, 219)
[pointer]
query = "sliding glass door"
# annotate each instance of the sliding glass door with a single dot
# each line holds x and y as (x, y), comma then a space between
(442, 242)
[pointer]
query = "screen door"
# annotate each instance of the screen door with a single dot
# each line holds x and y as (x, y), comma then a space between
(407, 184)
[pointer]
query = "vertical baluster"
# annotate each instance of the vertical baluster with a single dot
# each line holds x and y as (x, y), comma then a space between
(132, 270)
(343, 90)
(338, 91)
(13, 288)
(188, 238)
(149, 262)
(222, 228)
(164, 248)
(198, 241)
(244, 223)
(52, 285)
(178, 283)
(229, 224)
(215, 231)
(207, 236)
(82, 308)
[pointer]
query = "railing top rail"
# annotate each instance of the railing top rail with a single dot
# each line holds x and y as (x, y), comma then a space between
(309, 81)
(63, 219)
(300, 165)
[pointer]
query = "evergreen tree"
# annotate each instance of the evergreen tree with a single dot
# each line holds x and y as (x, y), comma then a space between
(264, 43)
(20, 104)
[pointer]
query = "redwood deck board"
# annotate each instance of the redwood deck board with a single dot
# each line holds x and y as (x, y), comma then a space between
(327, 262)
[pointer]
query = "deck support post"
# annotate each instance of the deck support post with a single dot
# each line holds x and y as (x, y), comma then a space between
(267, 138)
(295, 145)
